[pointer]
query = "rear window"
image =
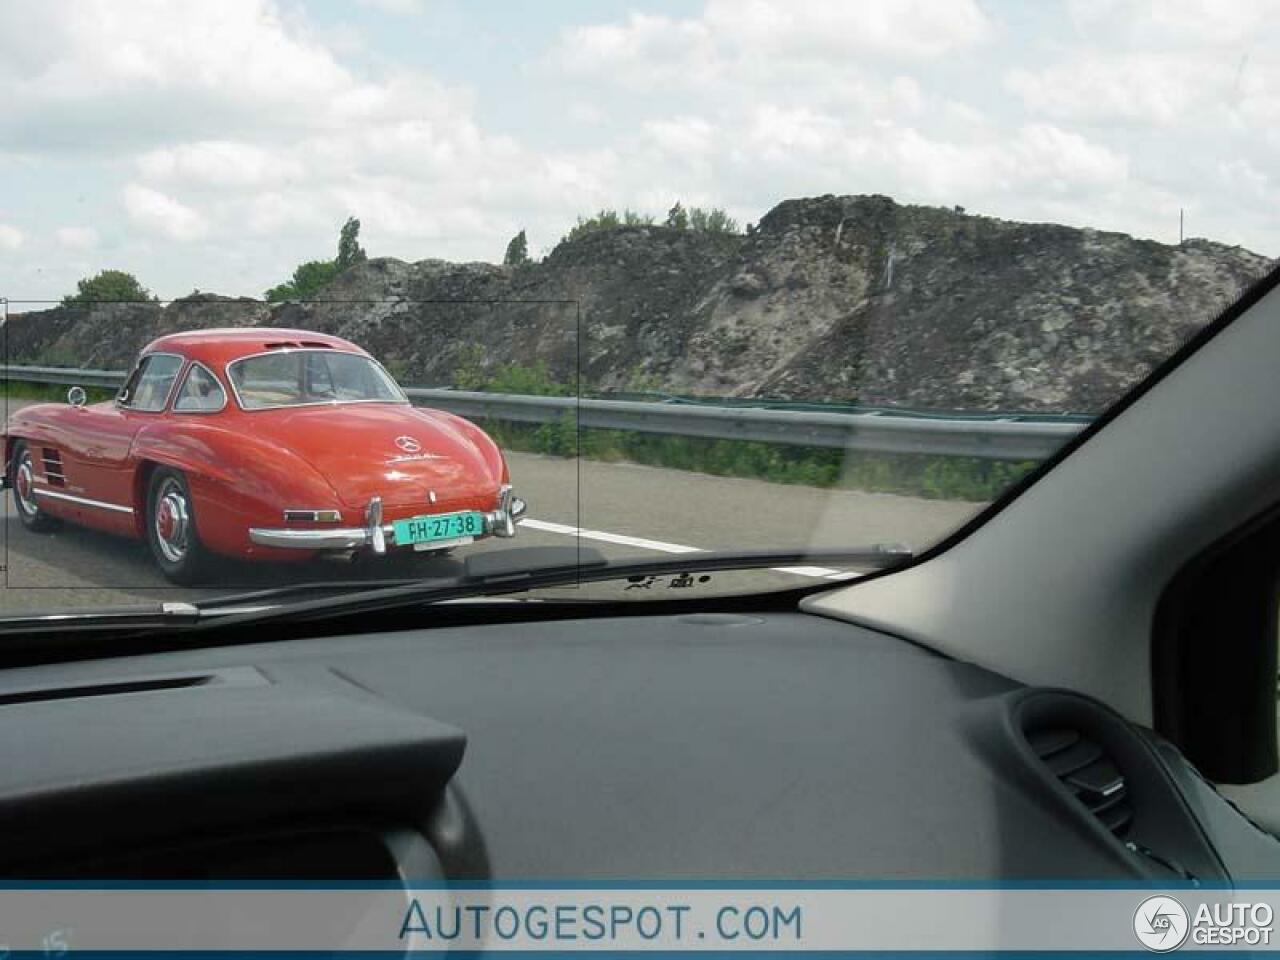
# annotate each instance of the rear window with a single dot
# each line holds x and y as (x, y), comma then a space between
(289, 378)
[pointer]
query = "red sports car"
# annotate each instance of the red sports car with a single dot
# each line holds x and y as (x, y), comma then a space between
(259, 443)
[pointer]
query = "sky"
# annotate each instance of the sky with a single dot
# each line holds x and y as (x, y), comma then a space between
(215, 145)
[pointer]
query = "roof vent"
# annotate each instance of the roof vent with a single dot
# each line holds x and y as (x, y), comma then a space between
(1088, 773)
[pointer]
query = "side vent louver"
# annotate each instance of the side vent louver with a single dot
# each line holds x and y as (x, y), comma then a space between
(1087, 772)
(52, 460)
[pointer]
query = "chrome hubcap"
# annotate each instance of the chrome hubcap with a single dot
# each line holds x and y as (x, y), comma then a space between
(24, 486)
(172, 522)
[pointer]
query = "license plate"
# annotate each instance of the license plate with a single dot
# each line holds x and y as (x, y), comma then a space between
(440, 526)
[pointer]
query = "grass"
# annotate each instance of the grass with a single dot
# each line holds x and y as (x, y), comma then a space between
(918, 475)
(51, 392)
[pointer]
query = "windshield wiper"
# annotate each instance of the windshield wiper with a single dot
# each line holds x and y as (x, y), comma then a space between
(520, 569)
(497, 572)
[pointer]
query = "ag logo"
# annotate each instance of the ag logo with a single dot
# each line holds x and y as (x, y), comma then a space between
(408, 444)
(1161, 924)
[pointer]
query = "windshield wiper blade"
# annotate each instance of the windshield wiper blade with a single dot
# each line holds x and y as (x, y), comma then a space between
(519, 569)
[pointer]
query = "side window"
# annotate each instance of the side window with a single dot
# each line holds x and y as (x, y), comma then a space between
(148, 387)
(200, 392)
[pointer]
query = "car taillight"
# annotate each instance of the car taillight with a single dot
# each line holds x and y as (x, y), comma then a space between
(312, 516)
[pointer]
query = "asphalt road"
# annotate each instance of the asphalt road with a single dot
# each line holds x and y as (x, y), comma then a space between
(624, 510)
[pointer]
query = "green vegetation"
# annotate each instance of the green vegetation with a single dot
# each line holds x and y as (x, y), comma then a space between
(517, 254)
(313, 276)
(917, 475)
(49, 392)
(606, 220)
(697, 219)
(109, 286)
(349, 250)
(714, 220)
(470, 373)
(308, 279)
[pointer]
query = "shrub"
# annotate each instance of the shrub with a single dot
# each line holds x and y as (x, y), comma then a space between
(109, 286)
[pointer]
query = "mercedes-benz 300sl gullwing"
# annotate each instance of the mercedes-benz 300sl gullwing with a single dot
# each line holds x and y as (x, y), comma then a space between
(262, 444)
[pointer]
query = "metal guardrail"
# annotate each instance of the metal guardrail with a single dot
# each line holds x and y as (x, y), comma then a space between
(989, 439)
(65, 375)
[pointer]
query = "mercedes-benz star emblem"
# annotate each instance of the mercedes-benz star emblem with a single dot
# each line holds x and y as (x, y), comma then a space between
(408, 444)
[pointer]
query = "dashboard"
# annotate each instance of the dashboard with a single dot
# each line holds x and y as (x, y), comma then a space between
(702, 745)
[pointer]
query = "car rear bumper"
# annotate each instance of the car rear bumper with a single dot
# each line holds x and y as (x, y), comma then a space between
(378, 536)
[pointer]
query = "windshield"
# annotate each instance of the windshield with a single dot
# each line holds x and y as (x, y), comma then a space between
(287, 378)
(694, 278)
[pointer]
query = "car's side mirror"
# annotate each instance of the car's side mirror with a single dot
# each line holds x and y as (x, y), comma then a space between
(76, 396)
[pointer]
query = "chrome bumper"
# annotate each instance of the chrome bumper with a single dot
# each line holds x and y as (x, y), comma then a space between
(376, 534)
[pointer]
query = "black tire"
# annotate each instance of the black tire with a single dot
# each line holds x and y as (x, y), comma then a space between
(171, 529)
(22, 470)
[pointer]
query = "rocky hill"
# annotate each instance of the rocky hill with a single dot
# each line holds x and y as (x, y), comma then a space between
(829, 298)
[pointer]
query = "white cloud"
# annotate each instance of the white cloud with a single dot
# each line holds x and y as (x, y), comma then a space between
(105, 74)
(686, 137)
(219, 163)
(834, 29)
(646, 48)
(162, 214)
(771, 35)
(397, 7)
(1161, 23)
(11, 238)
(77, 238)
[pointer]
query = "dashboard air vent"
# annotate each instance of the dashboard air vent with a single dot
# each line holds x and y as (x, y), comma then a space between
(1087, 772)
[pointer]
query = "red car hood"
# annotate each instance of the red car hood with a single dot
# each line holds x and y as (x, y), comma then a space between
(399, 453)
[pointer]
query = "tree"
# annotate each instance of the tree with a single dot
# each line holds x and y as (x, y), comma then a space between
(517, 254)
(677, 218)
(607, 220)
(714, 220)
(308, 280)
(109, 286)
(311, 277)
(349, 250)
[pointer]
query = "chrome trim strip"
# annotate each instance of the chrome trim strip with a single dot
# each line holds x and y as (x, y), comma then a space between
(342, 538)
(314, 403)
(183, 382)
(81, 500)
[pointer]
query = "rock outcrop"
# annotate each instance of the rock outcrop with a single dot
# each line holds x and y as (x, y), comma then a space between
(828, 298)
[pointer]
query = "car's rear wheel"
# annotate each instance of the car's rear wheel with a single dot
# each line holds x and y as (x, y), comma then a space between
(171, 528)
(22, 477)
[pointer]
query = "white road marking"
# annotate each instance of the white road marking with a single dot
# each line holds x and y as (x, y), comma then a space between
(661, 546)
(607, 537)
